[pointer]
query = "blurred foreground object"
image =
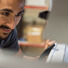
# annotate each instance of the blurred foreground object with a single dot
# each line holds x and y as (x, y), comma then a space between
(10, 62)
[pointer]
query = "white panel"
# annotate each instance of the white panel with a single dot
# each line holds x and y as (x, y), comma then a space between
(66, 55)
(57, 54)
(36, 3)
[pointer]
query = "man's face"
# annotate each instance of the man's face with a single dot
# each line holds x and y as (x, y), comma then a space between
(10, 15)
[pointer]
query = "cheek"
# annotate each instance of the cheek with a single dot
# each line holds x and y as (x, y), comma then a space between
(1, 22)
(18, 20)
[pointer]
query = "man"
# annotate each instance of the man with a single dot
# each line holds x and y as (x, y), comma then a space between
(10, 15)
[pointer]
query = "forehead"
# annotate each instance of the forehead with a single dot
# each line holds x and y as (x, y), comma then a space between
(12, 4)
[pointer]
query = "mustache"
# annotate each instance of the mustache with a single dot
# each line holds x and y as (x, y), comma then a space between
(6, 27)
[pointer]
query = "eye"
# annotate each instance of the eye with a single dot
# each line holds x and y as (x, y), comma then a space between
(6, 13)
(19, 14)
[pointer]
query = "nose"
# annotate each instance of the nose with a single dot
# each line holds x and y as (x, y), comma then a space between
(11, 24)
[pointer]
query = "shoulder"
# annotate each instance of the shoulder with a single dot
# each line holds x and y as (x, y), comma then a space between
(13, 34)
(12, 39)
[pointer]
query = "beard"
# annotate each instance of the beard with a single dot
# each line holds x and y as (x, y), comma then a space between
(2, 34)
(5, 34)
